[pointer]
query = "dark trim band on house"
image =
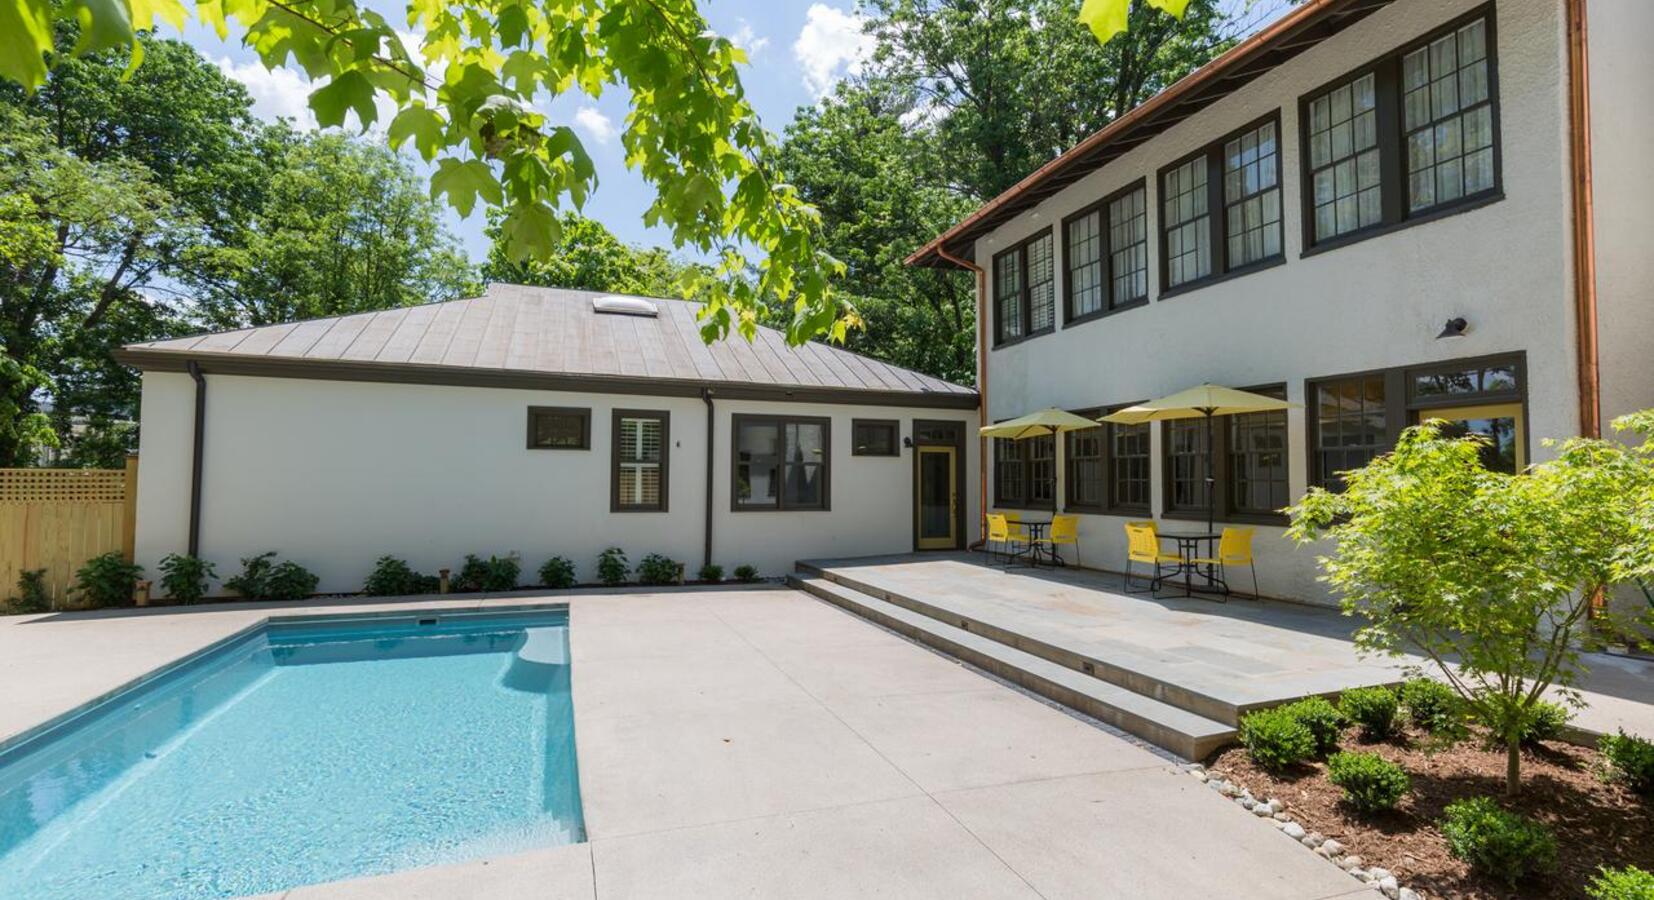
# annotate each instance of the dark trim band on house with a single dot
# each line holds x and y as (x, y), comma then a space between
(640, 456)
(1250, 465)
(1220, 209)
(559, 428)
(780, 463)
(1106, 256)
(1025, 288)
(460, 376)
(1409, 137)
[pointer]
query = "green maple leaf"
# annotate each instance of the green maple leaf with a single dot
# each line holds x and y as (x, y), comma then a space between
(463, 181)
(349, 90)
(25, 34)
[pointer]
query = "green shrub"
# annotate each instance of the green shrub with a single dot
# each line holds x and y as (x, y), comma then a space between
(1550, 720)
(746, 574)
(392, 577)
(1631, 760)
(496, 573)
(1497, 843)
(424, 584)
(32, 596)
(1371, 783)
(612, 566)
(657, 569)
(1629, 883)
(184, 578)
(107, 580)
(1323, 720)
(557, 573)
(262, 578)
(1276, 739)
(711, 573)
(1372, 708)
(1433, 706)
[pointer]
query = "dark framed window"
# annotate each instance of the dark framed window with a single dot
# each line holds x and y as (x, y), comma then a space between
(1085, 480)
(1106, 255)
(1025, 473)
(1406, 138)
(1107, 468)
(1221, 208)
(1249, 465)
(1354, 418)
(875, 437)
(1128, 468)
(640, 454)
(780, 463)
(559, 428)
(1025, 290)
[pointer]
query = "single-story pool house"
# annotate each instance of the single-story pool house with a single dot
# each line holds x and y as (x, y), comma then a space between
(540, 422)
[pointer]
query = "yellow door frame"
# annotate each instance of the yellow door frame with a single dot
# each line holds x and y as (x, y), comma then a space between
(951, 540)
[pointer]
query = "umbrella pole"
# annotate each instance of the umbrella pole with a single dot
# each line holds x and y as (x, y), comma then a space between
(1211, 480)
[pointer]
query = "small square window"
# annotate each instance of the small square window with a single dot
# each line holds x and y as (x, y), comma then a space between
(559, 428)
(875, 437)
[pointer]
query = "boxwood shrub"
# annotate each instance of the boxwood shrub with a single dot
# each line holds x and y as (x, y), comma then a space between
(1498, 843)
(1372, 708)
(1431, 705)
(557, 573)
(1276, 738)
(1629, 883)
(1630, 760)
(1323, 720)
(1371, 783)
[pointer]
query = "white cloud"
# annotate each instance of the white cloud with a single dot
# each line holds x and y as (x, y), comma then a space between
(277, 93)
(592, 121)
(831, 46)
(747, 39)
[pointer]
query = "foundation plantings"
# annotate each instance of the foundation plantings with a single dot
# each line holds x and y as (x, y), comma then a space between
(262, 578)
(107, 580)
(658, 569)
(31, 596)
(557, 573)
(185, 578)
(612, 566)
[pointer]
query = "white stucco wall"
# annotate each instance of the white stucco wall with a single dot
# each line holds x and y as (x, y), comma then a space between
(1373, 304)
(1622, 146)
(335, 474)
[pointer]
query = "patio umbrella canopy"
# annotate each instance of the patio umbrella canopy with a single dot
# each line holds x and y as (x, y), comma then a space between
(1051, 421)
(1202, 402)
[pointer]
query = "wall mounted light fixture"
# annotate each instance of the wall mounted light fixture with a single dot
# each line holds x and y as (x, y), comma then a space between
(1455, 328)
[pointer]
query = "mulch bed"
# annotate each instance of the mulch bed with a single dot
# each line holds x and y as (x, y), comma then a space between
(1596, 823)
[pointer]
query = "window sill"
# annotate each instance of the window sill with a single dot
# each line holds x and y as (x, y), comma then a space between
(779, 509)
(1269, 519)
(1487, 198)
(1011, 342)
(1187, 287)
(1105, 313)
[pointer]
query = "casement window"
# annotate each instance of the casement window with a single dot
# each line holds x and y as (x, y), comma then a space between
(559, 428)
(638, 479)
(1250, 458)
(1411, 135)
(1107, 468)
(1354, 418)
(1221, 207)
(1106, 255)
(1025, 473)
(875, 437)
(781, 463)
(1025, 290)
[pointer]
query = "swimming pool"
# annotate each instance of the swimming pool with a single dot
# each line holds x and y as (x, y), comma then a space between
(300, 752)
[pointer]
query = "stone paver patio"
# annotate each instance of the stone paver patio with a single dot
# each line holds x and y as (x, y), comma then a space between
(760, 743)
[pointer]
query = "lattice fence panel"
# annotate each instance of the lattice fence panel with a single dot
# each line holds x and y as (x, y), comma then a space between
(57, 519)
(62, 485)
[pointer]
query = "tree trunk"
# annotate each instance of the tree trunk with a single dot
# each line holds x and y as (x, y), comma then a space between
(1513, 766)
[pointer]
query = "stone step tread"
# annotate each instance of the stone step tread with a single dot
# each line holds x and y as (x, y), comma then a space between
(1171, 717)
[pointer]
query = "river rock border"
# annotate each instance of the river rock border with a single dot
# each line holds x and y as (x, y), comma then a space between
(1275, 812)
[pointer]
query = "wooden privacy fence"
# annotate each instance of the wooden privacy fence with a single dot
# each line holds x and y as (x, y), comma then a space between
(57, 519)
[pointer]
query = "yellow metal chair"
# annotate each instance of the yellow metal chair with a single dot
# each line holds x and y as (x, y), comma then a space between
(1065, 532)
(1234, 549)
(1000, 533)
(1143, 546)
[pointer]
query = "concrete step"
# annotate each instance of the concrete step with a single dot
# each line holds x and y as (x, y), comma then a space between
(1187, 734)
(1133, 679)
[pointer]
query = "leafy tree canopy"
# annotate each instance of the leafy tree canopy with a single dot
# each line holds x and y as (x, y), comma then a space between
(587, 256)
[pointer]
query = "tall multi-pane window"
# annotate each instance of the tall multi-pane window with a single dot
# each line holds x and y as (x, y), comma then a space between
(1128, 244)
(1010, 473)
(1252, 195)
(1351, 426)
(1042, 470)
(1186, 460)
(780, 463)
(1083, 254)
(1447, 114)
(1185, 222)
(1025, 288)
(638, 480)
(1084, 480)
(1257, 463)
(1344, 158)
(1128, 471)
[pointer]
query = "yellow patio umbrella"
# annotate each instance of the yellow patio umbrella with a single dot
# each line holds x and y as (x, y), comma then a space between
(1051, 421)
(1203, 402)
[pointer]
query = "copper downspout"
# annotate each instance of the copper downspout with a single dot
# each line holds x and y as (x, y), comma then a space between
(981, 388)
(1584, 230)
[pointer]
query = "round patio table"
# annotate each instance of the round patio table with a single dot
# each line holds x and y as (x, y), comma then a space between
(1189, 546)
(1038, 551)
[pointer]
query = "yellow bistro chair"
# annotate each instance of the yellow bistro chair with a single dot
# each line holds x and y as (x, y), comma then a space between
(1234, 549)
(1143, 546)
(1065, 532)
(1008, 540)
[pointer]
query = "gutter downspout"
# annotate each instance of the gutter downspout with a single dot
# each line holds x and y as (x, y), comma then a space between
(711, 432)
(1584, 222)
(194, 369)
(981, 388)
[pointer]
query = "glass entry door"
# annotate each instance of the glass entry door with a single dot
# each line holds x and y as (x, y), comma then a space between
(1500, 423)
(938, 498)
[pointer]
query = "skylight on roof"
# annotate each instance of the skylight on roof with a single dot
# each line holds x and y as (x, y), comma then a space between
(610, 304)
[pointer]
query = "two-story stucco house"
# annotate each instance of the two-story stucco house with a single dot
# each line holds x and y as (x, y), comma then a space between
(1380, 210)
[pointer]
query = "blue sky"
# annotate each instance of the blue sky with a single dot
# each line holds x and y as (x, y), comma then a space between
(798, 49)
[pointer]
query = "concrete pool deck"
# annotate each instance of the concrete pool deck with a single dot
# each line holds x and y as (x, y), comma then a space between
(761, 743)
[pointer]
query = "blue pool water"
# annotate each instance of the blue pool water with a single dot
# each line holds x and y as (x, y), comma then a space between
(302, 753)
